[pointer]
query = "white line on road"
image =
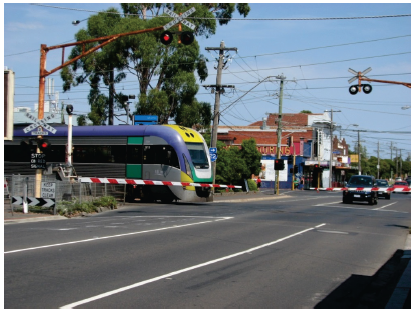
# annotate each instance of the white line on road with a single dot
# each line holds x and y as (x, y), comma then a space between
(383, 206)
(119, 290)
(115, 236)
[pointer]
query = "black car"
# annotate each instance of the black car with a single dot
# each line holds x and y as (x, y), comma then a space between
(383, 183)
(354, 194)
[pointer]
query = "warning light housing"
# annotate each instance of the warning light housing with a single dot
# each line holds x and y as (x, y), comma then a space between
(43, 144)
(187, 37)
(166, 37)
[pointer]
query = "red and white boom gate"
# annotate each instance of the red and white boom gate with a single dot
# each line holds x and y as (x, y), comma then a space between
(117, 181)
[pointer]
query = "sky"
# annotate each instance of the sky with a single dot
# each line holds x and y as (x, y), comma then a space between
(313, 45)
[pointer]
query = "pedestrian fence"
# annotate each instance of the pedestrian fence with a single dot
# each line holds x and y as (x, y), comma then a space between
(65, 191)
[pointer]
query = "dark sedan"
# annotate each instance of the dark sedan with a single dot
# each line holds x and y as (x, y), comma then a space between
(360, 189)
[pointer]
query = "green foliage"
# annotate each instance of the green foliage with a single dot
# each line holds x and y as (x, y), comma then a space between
(72, 208)
(170, 68)
(305, 111)
(234, 164)
(252, 185)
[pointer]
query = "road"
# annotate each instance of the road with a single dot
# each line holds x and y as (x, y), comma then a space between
(290, 252)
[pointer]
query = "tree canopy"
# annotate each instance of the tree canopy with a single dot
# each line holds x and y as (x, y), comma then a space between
(166, 75)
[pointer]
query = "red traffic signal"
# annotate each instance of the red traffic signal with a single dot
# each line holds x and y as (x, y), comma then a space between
(187, 37)
(43, 144)
(279, 164)
(166, 37)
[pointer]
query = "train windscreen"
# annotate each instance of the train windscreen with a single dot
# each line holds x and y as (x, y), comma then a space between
(198, 155)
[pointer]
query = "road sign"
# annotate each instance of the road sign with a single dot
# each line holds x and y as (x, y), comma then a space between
(213, 157)
(357, 74)
(48, 190)
(179, 18)
(41, 202)
(39, 123)
(212, 150)
(38, 161)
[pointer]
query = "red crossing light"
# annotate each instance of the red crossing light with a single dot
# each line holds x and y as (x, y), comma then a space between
(166, 37)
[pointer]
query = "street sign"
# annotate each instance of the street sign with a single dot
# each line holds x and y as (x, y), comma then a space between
(213, 154)
(48, 190)
(41, 202)
(38, 161)
(357, 74)
(213, 157)
(39, 123)
(179, 18)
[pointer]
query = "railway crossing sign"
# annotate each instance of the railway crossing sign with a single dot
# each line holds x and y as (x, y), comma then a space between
(179, 18)
(358, 74)
(40, 124)
(367, 88)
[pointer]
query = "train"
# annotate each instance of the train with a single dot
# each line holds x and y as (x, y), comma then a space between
(146, 152)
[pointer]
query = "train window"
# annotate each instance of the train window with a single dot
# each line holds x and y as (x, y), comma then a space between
(100, 154)
(160, 154)
(198, 155)
(134, 154)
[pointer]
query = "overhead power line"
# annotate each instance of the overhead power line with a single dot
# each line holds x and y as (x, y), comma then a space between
(243, 19)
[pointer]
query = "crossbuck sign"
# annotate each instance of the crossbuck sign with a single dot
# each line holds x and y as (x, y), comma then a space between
(179, 18)
(39, 123)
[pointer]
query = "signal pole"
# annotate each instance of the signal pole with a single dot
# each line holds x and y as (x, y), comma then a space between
(219, 89)
(279, 131)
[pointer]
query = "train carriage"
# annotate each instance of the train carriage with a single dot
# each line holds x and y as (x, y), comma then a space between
(148, 152)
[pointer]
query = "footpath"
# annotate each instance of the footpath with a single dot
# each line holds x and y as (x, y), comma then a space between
(389, 288)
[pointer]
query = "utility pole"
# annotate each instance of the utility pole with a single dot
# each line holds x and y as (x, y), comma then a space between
(279, 131)
(219, 89)
(331, 148)
(378, 161)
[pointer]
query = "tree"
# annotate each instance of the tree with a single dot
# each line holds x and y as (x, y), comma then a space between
(165, 74)
(234, 164)
(305, 111)
(251, 156)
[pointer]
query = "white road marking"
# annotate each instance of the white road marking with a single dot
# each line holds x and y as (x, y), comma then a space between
(328, 231)
(378, 208)
(122, 289)
(117, 235)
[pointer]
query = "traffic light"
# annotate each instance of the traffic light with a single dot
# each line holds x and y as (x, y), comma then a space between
(289, 141)
(279, 164)
(187, 37)
(317, 168)
(43, 144)
(295, 169)
(166, 37)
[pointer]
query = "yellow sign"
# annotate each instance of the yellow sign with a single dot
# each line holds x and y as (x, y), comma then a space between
(354, 158)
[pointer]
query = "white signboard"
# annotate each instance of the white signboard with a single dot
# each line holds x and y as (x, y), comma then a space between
(268, 173)
(48, 190)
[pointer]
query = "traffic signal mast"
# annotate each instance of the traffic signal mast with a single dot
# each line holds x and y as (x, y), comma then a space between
(186, 37)
(367, 88)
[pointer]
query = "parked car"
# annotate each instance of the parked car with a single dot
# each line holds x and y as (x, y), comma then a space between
(383, 183)
(366, 194)
(408, 180)
(399, 185)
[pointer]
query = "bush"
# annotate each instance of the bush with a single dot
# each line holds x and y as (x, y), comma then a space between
(72, 208)
(252, 185)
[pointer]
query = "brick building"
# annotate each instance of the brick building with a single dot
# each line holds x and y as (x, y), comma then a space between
(311, 146)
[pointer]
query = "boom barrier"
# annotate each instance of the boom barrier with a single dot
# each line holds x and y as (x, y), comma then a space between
(391, 189)
(117, 181)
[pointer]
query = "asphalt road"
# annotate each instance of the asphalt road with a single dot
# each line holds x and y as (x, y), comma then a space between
(290, 252)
